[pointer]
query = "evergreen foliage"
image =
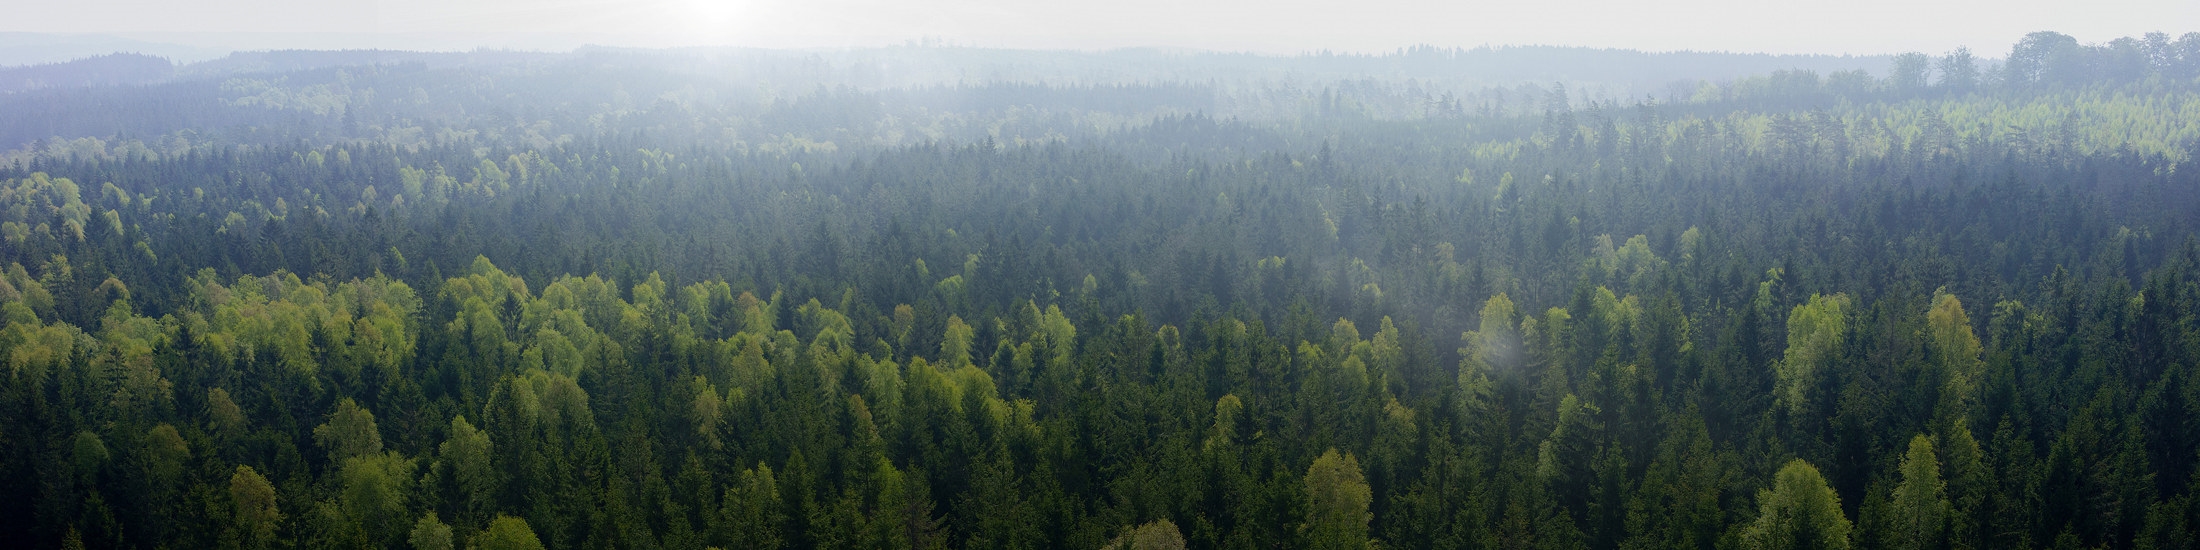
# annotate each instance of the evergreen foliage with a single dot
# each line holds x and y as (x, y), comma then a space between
(1952, 308)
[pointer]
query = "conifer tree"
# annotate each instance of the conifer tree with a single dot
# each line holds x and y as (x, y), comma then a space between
(1920, 507)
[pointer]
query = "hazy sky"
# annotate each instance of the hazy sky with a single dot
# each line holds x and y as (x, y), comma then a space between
(1833, 27)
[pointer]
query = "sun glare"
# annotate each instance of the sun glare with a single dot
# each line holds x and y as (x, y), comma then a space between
(707, 22)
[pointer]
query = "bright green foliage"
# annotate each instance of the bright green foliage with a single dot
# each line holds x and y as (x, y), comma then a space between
(1816, 331)
(42, 205)
(350, 433)
(1386, 358)
(670, 313)
(1920, 505)
(1496, 344)
(1337, 498)
(708, 413)
(35, 348)
(507, 533)
(1631, 263)
(1228, 410)
(955, 346)
(375, 495)
(430, 534)
(361, 324)
(1799, 512)
(253, 512)
(1160, 534)
(1970, 485)
(1954, 352)
(753, 516)
(464, 461)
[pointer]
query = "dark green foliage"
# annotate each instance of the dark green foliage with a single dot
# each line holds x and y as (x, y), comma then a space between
(1952, 312)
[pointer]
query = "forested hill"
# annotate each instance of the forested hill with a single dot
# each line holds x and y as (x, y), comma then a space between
(427, 306)
(865, 97)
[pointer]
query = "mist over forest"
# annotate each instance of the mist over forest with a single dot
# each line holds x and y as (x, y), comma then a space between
(933, 296)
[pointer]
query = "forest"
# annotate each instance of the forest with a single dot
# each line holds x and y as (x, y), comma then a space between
(686, 300)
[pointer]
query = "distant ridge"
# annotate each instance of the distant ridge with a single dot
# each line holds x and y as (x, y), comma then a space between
(104, 70)
(1618, 71)
(279, 61)
(21, 49)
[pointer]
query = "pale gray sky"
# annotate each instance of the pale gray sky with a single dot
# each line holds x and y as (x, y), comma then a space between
(1279, 26)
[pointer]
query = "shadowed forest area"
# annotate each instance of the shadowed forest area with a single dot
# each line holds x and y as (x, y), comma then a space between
(963, 298)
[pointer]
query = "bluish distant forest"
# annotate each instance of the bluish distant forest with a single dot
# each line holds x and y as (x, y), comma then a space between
(946, 297)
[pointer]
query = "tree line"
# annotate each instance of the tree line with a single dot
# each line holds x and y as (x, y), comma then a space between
(1905, 321)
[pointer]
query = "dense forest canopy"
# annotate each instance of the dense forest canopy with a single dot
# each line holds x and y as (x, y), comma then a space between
(633, 299)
